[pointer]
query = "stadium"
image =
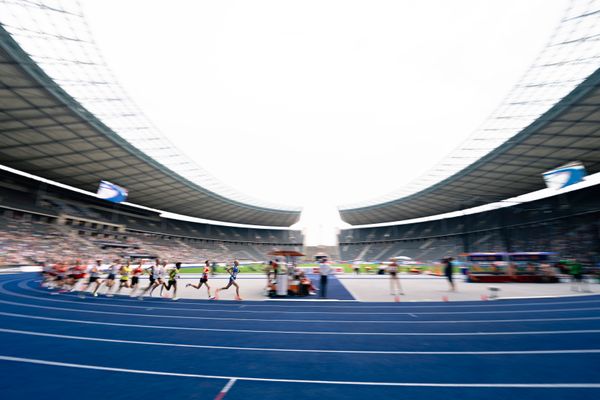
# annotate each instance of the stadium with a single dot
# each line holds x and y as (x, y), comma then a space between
(127, 270)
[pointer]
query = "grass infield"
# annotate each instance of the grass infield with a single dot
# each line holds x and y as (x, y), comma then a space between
(348, 268)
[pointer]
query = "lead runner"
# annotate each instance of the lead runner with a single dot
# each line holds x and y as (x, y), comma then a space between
(233, 271)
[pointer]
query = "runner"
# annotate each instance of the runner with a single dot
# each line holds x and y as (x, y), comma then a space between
(125, 270)
(77, 274)
(49, 275)
(94, 277)
(160, 277)
(135, 277)
(203, 279)
(233, 271)
(113, 270)
(448, 270)
(578, 283)
(153, 272)
(68, 278)
(173, 276)
(60, 271)
(45, 274)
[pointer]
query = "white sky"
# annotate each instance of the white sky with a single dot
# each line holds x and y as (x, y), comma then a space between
(296, 102)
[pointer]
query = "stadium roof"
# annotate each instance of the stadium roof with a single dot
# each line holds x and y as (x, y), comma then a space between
(45, 132)
(569, 131)
(550, 117)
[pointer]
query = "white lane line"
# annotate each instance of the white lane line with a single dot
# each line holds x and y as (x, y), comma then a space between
(225, 389)
(281, 350)
(524, 320)
(355, 304)
(2, 290)
(366, 305)
(321, 382)
(184, 328)
(23, 285)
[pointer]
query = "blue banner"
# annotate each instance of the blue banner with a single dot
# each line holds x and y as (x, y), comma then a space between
(111, 192)
(564, 176)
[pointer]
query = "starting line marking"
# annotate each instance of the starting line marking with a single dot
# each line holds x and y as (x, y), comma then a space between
(242, 378)
(333, 333)
(225, 389)
(237, 348)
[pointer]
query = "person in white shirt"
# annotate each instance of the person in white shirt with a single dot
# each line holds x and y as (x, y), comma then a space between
(160, 280)
(153, 280)
(113, 271)
(324, 271)
(94, 277)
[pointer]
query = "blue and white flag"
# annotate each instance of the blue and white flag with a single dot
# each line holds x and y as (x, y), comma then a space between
(565, 175)
(111, 192)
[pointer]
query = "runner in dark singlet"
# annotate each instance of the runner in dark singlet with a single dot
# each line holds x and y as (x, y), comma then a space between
(203, 279)
(448, 267)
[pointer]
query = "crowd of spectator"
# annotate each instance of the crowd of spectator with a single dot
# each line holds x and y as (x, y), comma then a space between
(30, 240)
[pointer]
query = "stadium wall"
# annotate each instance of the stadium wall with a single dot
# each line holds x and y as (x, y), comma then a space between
(35, 215)
(568, 223)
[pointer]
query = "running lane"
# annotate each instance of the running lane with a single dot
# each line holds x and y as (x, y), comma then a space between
(535, 349)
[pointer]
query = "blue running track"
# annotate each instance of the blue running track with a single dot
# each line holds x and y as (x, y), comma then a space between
(121, 348)
(335, 288)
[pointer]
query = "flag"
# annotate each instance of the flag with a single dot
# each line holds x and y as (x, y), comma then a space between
(565, 175)
(111, 192)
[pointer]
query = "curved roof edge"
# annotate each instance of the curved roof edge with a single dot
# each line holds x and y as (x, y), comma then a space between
(570, 56)
(60, 41)
(590, 86)
(23, 60)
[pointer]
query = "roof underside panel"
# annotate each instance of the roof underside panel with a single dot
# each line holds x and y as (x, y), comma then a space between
(569, 131)
(548, 118)
(44, 132)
